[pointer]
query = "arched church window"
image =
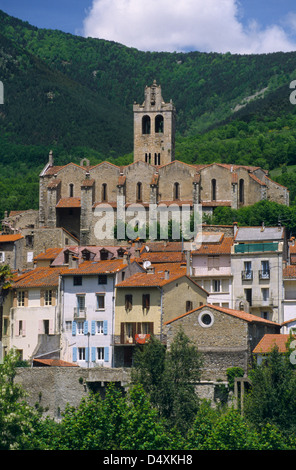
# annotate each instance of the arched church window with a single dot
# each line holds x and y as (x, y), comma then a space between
(241, 191)
(104, 192)
(71, 189)
(157, 159)
(176, 192)
(146, 125)
(214, 189)
(159, 124)
(139, 192)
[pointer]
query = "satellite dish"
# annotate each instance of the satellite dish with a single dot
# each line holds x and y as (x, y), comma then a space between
(147, 248)
(146, 264)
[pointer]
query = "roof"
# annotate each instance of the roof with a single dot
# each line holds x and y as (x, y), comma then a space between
(269, 341)
(38, 277)
(259, 233)
(52, 363)
(213, 243)
(49, 254)
(158, 277)
(97, 267)
(289, 272)
(10, 238)
(69, 202)
(163, 257)
(248, 317)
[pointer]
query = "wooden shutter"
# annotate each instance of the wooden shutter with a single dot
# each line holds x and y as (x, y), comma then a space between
(42, 297)
(105, 328)
(106, 354)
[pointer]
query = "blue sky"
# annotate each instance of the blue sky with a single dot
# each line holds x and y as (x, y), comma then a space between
(243, 26)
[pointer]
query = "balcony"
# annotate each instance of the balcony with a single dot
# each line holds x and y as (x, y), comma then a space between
(79, 312)
(247, 275)
(255, 247)
(264, 274)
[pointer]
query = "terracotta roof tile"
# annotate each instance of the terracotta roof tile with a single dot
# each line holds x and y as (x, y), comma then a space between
(224, 247)
(38, 277)
(236, 313)
(289, 272)
(69, 202)
(97, 267)
(49, 254)
(10, 238)
(52, 363)
(269, 341)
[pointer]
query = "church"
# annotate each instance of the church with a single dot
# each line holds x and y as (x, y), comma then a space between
(70, 194)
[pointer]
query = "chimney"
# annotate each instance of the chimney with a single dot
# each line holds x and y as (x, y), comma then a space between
(167, 274)
(234, 228)
(188, 264)
(50, 158)
(263, 227)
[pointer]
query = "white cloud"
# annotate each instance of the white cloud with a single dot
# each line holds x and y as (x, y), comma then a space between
(182, 25)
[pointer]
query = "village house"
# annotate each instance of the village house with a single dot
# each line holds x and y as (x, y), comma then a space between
(88, 310)
(211, 267)
(146, 300)
(257, 259)
(33, 326)
(11, 250)
(225, 337)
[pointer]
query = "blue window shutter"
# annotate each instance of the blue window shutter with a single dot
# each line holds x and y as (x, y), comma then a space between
(105, 327)
(87, 354)
(74, 351)
(85, 327)
(93, 327)
(106, 354)
(74, 328)
(93, 354)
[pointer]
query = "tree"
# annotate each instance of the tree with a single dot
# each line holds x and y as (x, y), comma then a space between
(272, 399)
(169, 377)
(17, 418)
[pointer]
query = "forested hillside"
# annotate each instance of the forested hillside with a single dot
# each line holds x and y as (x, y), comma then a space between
(75, 95)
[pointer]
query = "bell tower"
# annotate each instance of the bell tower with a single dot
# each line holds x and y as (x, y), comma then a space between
(154, 128)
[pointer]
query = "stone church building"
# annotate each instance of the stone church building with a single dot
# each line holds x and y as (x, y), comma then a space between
(69, 194)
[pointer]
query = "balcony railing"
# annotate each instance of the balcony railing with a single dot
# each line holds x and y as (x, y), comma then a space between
(79, 312)
(264, 274)
(255, 247)
(247, 275)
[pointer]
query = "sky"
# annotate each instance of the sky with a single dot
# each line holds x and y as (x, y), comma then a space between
(236, 26)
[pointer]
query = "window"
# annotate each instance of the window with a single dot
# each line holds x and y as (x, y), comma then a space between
(100, 354)
(81, 354)
(20, 328)
(80, 327)
(71, 189)
(216, 285)
(189, 305)
(46, 327)
(264, 273)
(206, 319)
(21, 298)
(99, 327)
(214, 189)
(213, 262)
(104, 192)
(77, 280)
(48, 297)
(68, 326)
(100, 301)
(241, 191)
(157, 159)
(139, 192)
(102, 279)
(128, 302)
(148, 157)
(247, 274)
(80, 304)
(176, 194)
(248, 295)
(159, 124)
(146, 301)
(265, 294)
(146, 125)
